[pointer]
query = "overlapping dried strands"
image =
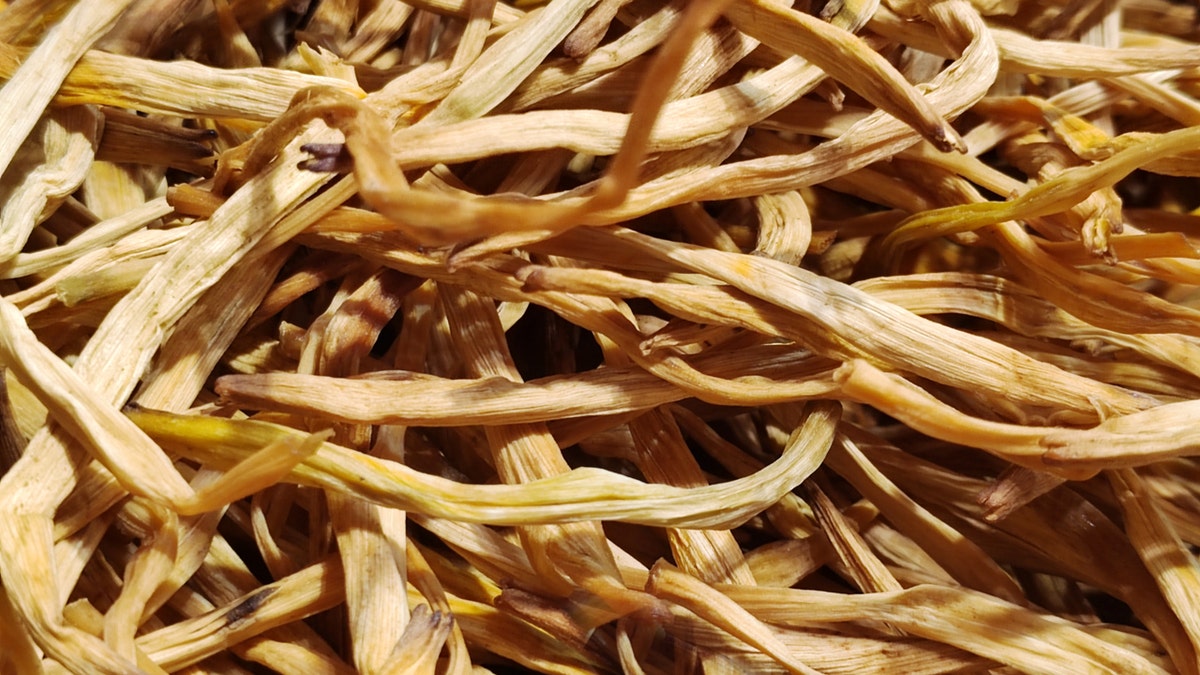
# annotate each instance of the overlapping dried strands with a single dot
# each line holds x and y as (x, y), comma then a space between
(637, 336)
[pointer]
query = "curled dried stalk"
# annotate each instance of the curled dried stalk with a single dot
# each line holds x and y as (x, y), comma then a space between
(502, 400)
(1053, 196)
(436, 218)
(848, 60)
(578, 495)
(1128, 440)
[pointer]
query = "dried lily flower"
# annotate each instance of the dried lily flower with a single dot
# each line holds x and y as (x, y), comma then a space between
(593, 336)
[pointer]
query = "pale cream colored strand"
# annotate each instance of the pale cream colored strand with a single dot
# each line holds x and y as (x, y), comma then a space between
(376, 618)
(784, 226)
(99, 235)
(663, 457)
(311, 590)
(367, 535)
(32, 87)
(433, 216)
(375, 31)
(1023, 311)
(1168, 559)
(580, 494)
(67, 143)
(885, 331)
(970, 620)
(129, 252)
(150, 565)
(668, 583)
(182, 366)
(557, 76)
(29, 545)
(569, 555)
(1128, 440)
(696, 120)
(46, 473)
(108, 435)
(878, 136)
(187, 88)
(1171, 102)
(508, 61)
(503, 13)
(959, 555)
(433, 401)
(711, 555)
(1023, 54)
(846, 59)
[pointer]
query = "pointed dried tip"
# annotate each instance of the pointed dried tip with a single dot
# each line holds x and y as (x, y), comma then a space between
(947, 139)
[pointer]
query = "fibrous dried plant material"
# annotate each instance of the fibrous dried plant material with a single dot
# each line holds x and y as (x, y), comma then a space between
(34, 85)
(644, 336)
(179, 88)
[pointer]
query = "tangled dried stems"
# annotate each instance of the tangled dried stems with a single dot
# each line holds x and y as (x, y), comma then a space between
(599, 336)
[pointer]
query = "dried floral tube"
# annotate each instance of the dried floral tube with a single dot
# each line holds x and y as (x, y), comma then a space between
(309, 591)
(33, 85)
(84, 413)
(695, 120)
(67, 145)
(959, 555)
(29, 539)
(1058, 194)
(47, 472)
(662, 456)
(1133, 439)
(436, 218)
(882, 330)
(568, 555)
(426, 400)
(846, 59)
(180, 88)
(1056, 58)
(1095, 299)
(895, 396)
(99, 235)
(1128, 440)
(591, 313)
(559, 75)
(668, 583)
(1022, 311)
(577, 495)
(501, 67)
(1166, 557)
(979, 623)
(149, 568)
(874, 138)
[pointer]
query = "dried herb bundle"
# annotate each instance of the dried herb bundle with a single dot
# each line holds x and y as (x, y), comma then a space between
(595, 336)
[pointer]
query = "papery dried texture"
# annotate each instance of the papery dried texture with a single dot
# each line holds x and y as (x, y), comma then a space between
(580, 494)
(146, 313)
(67, 145)
(880, 330)
(973, 621)
(958, 554)
(846, 59)
(33, 85)
(368, 537)
(1173, 566)
(796, 370)
(706, 602)
(179, 88)
(307, 592)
